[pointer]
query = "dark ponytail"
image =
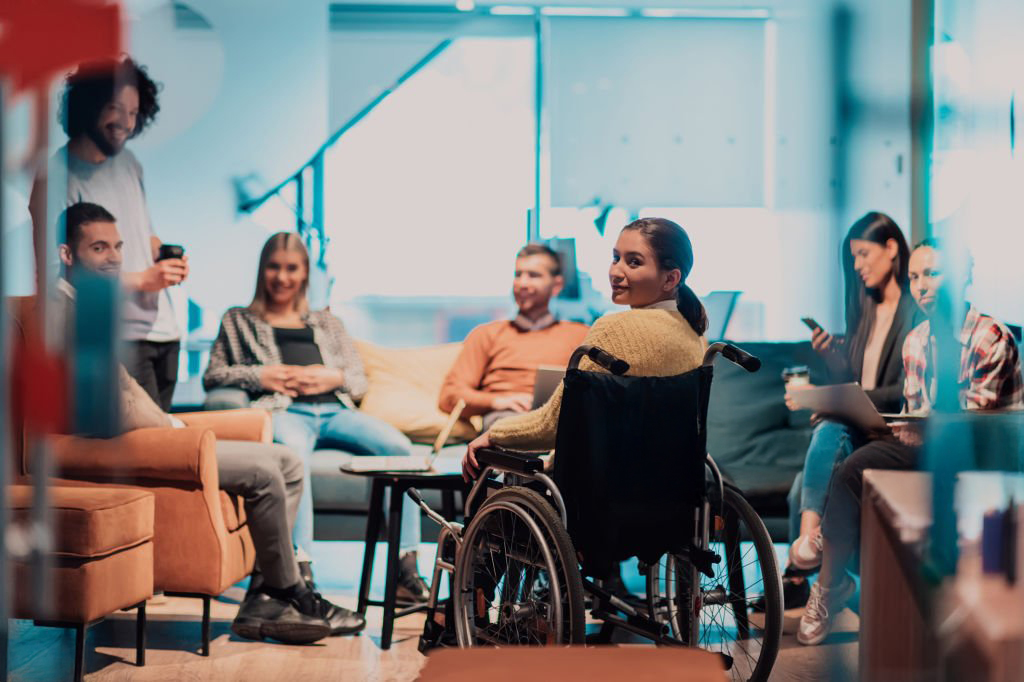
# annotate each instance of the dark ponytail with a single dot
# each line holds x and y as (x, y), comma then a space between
(690, 307)
(672, 248)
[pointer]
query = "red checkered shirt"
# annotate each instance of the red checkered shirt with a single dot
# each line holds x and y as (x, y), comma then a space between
(990, 375)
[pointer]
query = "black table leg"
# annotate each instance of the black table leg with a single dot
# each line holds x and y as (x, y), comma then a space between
(370, 548)
(448, 504)
(391, 583)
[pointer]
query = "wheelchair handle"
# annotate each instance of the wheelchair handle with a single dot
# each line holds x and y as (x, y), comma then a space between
(601, 357)
(733, 354)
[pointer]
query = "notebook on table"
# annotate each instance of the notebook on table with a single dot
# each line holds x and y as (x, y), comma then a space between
(408, 462)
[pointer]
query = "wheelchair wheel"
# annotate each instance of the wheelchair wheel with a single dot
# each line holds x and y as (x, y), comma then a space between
(717, 616)
(516, 577)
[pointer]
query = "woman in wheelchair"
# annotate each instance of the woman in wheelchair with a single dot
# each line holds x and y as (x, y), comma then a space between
(661, 335)
(629, 481)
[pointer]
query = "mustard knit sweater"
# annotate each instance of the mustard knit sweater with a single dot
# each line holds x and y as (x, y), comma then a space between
(654, 342)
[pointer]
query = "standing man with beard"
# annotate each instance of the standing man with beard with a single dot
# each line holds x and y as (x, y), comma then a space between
(104, 105)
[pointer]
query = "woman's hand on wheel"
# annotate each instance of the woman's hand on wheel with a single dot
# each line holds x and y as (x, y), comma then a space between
(278, 379)
(822, 341)
(470, 467)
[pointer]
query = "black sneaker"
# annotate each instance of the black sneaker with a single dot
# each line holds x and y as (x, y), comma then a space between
(342, 621)
(412, 588)
(264, 617)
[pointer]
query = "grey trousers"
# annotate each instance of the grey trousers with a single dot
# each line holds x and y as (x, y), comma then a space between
(268, 478)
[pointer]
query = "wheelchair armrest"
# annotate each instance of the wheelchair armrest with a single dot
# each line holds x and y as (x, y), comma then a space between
(516, 461)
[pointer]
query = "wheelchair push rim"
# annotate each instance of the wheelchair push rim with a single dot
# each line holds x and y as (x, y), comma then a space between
(722, 617)
(516, 580)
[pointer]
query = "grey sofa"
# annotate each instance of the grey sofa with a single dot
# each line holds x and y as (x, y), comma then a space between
(758, 443)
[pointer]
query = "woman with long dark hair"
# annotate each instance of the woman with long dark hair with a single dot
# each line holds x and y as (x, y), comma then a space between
(879, 314)
(661, 335)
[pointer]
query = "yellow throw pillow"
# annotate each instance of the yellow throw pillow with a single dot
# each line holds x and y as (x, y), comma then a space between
(404, 387)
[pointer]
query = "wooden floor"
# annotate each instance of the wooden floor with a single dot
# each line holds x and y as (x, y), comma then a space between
(174, 634)
(174, 638)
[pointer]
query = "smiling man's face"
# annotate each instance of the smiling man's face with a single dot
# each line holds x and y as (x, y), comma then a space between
(116, 122)
(926, 277)
(98, 249)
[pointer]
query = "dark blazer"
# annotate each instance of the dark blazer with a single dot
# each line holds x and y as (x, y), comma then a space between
(846, 362)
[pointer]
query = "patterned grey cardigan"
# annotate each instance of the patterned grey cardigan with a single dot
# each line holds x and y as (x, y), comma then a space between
(245, 344)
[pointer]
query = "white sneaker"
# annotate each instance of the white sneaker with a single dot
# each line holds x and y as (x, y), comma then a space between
(805, 552)
(822, 607)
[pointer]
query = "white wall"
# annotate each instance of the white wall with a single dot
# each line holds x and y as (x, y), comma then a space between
(267, 115)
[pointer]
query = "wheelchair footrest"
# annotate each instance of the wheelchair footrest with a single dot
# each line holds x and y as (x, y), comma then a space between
(510, 460)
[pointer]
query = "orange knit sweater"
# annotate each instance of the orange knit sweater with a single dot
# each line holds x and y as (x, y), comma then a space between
(497, 358)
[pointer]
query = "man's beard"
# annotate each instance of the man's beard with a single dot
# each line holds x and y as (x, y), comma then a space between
(102, 142)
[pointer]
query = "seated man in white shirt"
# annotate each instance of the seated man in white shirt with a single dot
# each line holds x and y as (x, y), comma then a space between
(280, 604)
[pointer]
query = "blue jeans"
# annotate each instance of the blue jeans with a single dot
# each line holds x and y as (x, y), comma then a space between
(305, 427)
(831, 443)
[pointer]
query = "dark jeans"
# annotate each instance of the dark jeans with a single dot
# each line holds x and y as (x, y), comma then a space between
(841, 523)
(154, 364)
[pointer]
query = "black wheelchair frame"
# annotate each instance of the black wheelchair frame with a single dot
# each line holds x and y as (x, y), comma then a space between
(676, 596)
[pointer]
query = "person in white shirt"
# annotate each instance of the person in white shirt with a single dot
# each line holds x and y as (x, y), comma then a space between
(104, 105)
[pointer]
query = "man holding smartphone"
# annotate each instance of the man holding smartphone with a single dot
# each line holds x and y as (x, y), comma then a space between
(104, 105)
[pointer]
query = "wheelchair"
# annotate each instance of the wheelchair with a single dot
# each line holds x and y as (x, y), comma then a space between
(526, 564)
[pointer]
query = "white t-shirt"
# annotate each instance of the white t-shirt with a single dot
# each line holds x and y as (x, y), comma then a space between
(116, 185)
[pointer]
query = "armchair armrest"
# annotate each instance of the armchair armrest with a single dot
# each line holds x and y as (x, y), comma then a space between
(246, 424)
(157, 453)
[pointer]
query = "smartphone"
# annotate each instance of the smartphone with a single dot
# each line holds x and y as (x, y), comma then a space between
(811, 323)
(170, 251)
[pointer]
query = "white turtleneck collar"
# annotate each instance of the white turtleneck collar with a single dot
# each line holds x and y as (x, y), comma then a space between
(668, 304)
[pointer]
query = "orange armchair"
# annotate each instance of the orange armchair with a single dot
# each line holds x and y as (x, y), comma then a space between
(201, 545)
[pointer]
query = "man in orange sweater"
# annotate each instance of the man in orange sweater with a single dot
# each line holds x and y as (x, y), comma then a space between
(497, 367)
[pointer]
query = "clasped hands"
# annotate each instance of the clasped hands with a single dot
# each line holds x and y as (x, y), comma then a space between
(296, 380)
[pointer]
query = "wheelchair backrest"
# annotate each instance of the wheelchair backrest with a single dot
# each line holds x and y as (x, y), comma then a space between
(629, 461)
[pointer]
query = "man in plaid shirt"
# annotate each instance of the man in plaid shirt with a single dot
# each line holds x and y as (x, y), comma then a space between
(990, 379)
(989, 365)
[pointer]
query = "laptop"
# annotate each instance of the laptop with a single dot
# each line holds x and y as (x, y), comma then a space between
(720, 305)
(408, 462)
(846, 401)
(544, 385)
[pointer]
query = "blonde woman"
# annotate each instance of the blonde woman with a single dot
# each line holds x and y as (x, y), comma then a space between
(303, 367)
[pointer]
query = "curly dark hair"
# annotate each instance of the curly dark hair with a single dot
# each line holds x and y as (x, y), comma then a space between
(92, 86)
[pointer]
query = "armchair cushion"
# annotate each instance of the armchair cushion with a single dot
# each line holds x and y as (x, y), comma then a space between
(91, 522)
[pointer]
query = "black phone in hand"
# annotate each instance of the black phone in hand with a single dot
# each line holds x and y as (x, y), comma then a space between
(811, 323)
(170, 251)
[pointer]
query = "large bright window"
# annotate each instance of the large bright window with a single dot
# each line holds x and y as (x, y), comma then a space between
(426, 199)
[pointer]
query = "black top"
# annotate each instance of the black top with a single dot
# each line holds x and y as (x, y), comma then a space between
(847, 362)
(298, 348)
